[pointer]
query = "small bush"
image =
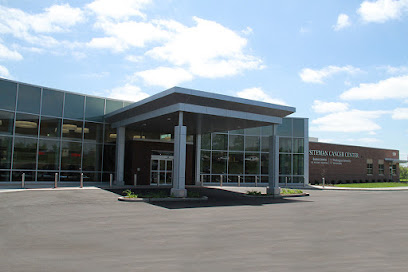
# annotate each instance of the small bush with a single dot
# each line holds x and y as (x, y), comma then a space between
(291, 191)
(255, 193)
(130, 194)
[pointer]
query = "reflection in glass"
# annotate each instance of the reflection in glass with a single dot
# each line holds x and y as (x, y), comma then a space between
(298, 146)
(71, 156)
(236, 142)
(25, 151)
(264, 164)
(74, 106)
(45, 176)
(93, 131)
(5, 152)
(72, 129)
(112, 105)
(205, 162)
(298, 164)
(92, 177)
(285, 145)
(236, 163)
(27, 124)
(285, 164)
(28, 99)
(109, 158)
(50, 127)
(219, 141)
(8, 92)
(48, 155)
(285, 129)
(219, 162)
(110, 134)
(253, 131)
(4, 175)
(267, 131)
(265, 144)
(238, 131)
(252, 163)
(298, 179)
(285, 180)
(206, 141)
(70, 176)
(94, 109)
(52, 103)
(92, 157)
(6, 122)
(29, 175)
(298, 127)
(251, 143)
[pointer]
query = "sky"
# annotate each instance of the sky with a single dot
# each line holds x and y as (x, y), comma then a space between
(342, 64)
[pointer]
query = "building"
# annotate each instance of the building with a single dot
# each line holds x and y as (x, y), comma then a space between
(352, 164)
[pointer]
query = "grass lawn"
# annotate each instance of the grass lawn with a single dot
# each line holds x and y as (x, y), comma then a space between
(373, 185)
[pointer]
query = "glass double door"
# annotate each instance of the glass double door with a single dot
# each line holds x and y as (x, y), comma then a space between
(161, 168)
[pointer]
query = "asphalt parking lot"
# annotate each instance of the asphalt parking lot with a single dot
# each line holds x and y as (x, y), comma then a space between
(89, 230)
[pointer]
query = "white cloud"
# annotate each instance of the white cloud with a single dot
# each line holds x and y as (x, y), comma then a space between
(394, 87)
(134, 58)
(107, 43)
(256, 93)
(207, 50)
(165, 76)
(395, 70)
(348, 121)
(343, 21)
(362, 141)
(381, 11)
(7, 54)
(400, 114)
(318, 76)
(118, 9)
(4, 72)
(247, 31)
(127, 92)
(325, 107)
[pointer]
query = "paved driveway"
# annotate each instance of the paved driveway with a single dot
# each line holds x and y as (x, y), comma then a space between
(89, 230)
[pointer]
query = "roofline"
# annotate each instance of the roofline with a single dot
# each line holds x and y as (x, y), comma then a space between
(354, 145)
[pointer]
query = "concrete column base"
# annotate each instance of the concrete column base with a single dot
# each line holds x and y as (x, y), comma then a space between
(275, 191)
(178, 192)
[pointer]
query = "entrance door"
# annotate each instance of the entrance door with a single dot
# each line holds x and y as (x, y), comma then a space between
(161, 167)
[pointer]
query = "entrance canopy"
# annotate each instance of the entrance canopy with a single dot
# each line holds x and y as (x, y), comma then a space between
(395, 160)
(203, 112)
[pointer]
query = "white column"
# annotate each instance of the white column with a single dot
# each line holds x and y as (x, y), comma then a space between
(198, 160)
(273, 166)
(179, 165)
(120, 155)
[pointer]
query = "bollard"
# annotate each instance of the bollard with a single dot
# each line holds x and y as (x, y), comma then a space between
(202, 180)
(23, 180)
(323, 182)
(56, 181)
(110, 180)
(221, 180)
(286, 181)
(256, 181)
(81, 183)
(239, 181)
(135, 180)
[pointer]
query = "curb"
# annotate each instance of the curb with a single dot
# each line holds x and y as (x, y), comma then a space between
(165, 199)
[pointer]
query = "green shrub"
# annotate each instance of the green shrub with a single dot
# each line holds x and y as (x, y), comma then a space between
(255, 193)
(291, 191)
(130, 194)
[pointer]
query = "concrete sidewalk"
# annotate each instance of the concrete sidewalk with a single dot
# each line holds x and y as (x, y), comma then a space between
(318, 187)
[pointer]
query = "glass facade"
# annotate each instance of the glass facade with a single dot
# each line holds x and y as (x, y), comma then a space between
(45, 131)
(243, 155)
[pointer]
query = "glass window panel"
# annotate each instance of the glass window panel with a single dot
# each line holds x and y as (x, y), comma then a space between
(206, 141)
(285, 129)
(109, 158)
(219, 141)
(253, 131)
(48, 155)
(70, 176)
(52, 103)
(238, 131)
(112, 105)
(298, 127)
(29, 99)
(265, 144)
(298, 164)
(25, 153)
(71, 156)
(45, 176)
(205, 162)
(236, 142)
(27, 124)
(219, 162)
(5, 152)
(72, 129)
(50, 127)
(93, 131)
(29, 175)
(6, 122)
(106, 177)
(236, 163)
(92, 177)
(298, 146)
(267, 131)
(285, 164)
(110, 134)
(252, 163)
(285, 145)
(8, 92)
(264, 164)
(298, 179)
(94, 109)
(285, 180)
(251, 143)
(92, 157)
(4, 175)
(126, 103)
(74, 106)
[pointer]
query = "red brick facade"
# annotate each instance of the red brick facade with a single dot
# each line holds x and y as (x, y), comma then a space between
(347, 164)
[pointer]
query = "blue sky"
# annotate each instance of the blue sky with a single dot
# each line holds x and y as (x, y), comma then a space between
(343, 64)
